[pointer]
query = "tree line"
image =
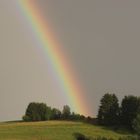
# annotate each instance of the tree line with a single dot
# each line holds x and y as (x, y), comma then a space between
(110, 113)
(127, 114)
(41, 112)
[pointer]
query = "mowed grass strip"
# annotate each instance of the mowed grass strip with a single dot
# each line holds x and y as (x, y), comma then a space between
(52, 130)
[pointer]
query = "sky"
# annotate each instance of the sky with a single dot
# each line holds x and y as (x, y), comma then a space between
(100, 37)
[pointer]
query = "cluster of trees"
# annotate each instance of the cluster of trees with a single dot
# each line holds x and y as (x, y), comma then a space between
(42, 112)
(127, 114)
(110, 113)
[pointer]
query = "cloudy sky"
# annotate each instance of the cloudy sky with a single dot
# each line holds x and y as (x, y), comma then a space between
(100, 37)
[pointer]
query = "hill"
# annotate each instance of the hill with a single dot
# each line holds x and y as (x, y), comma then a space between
(52, 130)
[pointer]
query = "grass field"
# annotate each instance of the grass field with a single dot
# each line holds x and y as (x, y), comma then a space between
(51, 130)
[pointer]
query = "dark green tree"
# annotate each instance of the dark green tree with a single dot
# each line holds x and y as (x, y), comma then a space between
(108, 112)
(42, 110)
(129, 109)
(77, 117)
(66, 112)
(36, 112)
(55, 114)
(32, 112)
(49, 113)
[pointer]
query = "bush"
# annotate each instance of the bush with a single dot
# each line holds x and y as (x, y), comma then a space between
(80, 136)
(26, 118)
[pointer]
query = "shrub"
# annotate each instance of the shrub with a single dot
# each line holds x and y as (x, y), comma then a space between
(26, 118)
(80, 136)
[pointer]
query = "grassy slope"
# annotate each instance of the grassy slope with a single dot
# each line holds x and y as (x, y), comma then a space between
(51, 130)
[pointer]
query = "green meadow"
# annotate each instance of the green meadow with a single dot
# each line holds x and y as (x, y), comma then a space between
(52, 130)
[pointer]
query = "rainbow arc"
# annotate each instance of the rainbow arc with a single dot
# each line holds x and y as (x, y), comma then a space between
(56, 55)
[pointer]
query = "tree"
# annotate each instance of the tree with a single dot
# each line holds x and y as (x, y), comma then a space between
(136, 124)
(66, 112)
(129, 109)
(42, 110)
(32, 112)
(108, 112)
(49, 113)
(77, 117)
(56, 114)
(36, 112)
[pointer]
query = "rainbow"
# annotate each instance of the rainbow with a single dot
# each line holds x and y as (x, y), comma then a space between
(57, 58)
